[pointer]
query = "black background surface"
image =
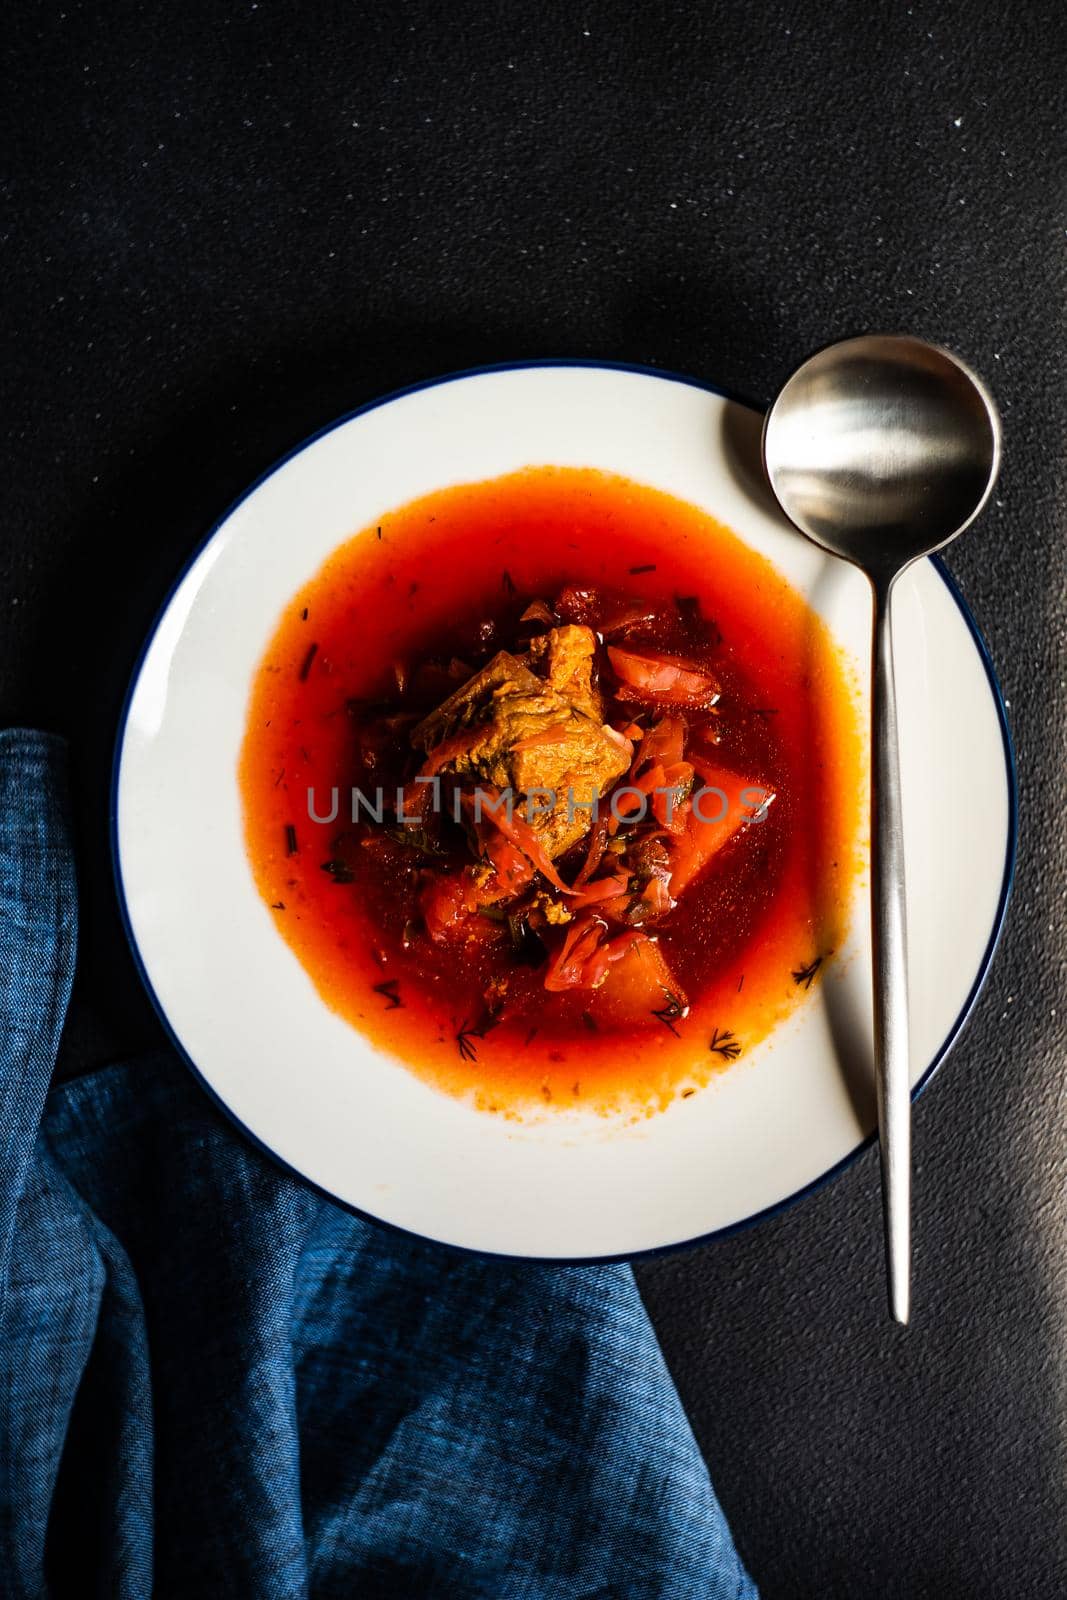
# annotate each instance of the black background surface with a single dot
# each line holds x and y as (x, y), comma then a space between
(225, 225)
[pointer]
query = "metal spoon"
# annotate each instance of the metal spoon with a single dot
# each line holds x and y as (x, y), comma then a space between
(883, 449)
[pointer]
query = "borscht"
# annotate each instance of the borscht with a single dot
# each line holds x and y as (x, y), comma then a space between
(553, 786)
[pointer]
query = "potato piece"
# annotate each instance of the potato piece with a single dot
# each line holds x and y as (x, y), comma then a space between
(717, 816)
(637, 986)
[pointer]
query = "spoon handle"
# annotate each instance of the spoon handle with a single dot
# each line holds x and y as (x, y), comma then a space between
(889, 944)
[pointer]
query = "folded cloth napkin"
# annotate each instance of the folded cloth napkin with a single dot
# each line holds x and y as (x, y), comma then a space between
(213, 1382)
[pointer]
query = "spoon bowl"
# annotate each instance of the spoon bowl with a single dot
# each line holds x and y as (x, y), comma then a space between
(882, 449)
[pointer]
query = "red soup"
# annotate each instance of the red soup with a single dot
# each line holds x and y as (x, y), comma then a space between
(551, 784)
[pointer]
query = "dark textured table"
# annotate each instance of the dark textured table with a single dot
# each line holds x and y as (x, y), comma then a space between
(225, 225)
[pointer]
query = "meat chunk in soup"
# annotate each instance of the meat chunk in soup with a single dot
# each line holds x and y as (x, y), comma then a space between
(540, 737)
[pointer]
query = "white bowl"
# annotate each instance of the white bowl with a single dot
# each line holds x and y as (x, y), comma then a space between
(314, 1092)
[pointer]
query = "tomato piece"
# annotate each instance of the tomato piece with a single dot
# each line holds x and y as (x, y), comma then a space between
(586, 955)
(647, 700)
(663, 742)
(448, 902)
(512, 868)
(667, 678)
(581, 961)
(635, 907)
(601, 889)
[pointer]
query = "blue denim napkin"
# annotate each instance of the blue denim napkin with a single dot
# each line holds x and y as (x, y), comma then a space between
(215, 1383)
